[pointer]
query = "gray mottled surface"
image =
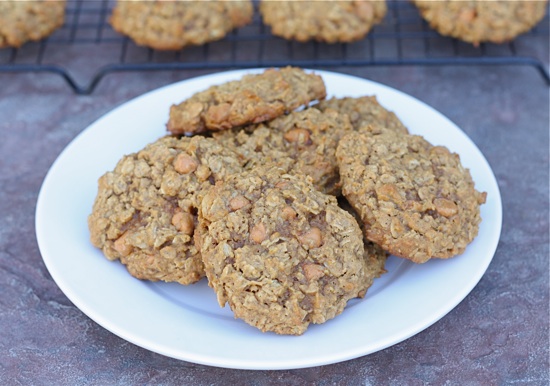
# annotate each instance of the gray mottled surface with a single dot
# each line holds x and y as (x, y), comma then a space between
(497, 335)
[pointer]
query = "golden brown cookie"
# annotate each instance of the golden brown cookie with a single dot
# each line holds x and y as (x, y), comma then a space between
(145, 211)
(374, 254)
(416, 200)
(323, 21)
(23, 21)
(363, 112)
(302, 142)
(477, 21)
(254, 98)
(282, 254)
(174, 24)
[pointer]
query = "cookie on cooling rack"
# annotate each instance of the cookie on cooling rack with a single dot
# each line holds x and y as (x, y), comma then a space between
(145, 211)
(301, 142)
(363, 112)
(281, 253)
(416, 200)
(23, 21)
(477, 21)
(323, 21)
(173, 24)
(254, 98)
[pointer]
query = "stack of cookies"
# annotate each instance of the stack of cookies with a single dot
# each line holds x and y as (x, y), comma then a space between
(288, 207)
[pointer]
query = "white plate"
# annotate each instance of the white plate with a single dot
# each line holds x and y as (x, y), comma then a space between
(185, 322)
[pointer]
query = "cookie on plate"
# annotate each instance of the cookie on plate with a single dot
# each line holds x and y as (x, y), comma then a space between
(323, 21)
(281, 253)
(252, 99)
(363, 112)
(374, 254)
(174, 24)
(477, 21)
(302, 142)
(416, 200)
(145, 211)
(23, 21)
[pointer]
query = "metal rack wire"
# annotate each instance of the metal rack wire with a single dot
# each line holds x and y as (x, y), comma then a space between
(402, 39)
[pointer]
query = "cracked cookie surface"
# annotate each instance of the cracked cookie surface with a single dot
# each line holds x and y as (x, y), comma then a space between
(252, 99)
(23, 21)
(416, 200)
(145, 211)
(282, 254)
(477, 21)
(173, 24)
(323, 21)
(302, 142)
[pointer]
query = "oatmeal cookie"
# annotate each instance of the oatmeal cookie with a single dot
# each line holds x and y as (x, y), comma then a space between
(302, 142)
(282, 254)
(374, 254)
(477, 21)
(323, 21)
(416, 200)
(256, 146)
(145, 211)
(174, 24)
(363, 112)
(253, 99)
(23, 21)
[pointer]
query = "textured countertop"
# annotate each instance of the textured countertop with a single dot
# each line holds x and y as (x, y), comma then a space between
(498, 335)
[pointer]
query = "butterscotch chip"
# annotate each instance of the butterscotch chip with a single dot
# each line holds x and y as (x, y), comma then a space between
(477, 21)
(145, 212)
(416, 200)
(23, 21)
(324, 21)
(280, 273)
(363, 112)
(253, 99)
(174, 24)
(302, 142)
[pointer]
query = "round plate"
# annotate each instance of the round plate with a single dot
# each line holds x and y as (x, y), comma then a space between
(185, 322)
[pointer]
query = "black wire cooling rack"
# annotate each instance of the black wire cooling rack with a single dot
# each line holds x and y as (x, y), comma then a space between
(86, 48)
